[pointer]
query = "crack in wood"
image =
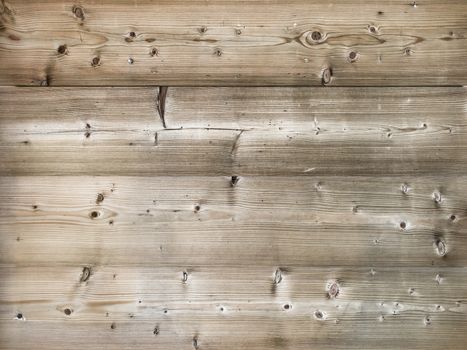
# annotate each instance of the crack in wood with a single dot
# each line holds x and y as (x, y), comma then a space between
(161, 97)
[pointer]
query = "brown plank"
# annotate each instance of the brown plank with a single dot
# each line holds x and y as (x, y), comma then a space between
(117, 306)
(261, 42)
(371, 131)
(260, 221)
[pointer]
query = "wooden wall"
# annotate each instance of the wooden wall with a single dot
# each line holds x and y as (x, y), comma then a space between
(233, 174)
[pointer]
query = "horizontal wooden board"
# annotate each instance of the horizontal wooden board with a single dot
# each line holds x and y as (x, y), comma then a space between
(122, 131)
(258, 221)
(117, 306)
(261, 42)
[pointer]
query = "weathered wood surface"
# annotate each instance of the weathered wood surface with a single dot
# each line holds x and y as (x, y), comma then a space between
(121, 307)
(258, 221)
(233, 131)
(184, 42)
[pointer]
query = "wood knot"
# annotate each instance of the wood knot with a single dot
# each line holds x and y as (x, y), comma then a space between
(277, 276)
(353, 56)
(78, 11)
(452, 217)
(100, 198)
(405, 188)
(195, 343)
(287, 306)
(217, 52)
(326, 76)
(68, 311)
(319, 315)
(203, 29)
(403, 225)
(238, 32)
(314, 37)
(153, 52)
(62, 50)
(440, 247)
(408, 51)
(96, 61)
(86, 274)
(94, 214)
(156, 330)
(113, 325)
(372, 29)
(19, 316)
(437, 197)
(234, 180)
(333, 289)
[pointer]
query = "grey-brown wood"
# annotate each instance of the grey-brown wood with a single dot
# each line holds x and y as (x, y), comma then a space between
(259, 221)
(119, 306)
(233, 131)
(260, 42)
(172, 176)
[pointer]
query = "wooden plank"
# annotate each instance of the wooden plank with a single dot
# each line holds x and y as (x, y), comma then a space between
(261, 42)
(118, 306)
(260, 221)
(371, 131)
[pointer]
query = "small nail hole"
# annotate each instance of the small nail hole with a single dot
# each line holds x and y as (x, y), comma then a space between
(19, 316)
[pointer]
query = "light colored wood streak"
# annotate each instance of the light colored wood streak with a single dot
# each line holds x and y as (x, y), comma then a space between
(219, 42)
(260, 221)
(371, 131)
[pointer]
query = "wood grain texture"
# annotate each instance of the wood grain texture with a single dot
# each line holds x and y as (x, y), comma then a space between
(257, 221)
(240, 131)
(119, 306)
(261, 42)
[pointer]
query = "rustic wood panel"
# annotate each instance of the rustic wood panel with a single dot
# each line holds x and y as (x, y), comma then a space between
(258, 221)
(118, 307)
(244, 131)
(184, 42)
